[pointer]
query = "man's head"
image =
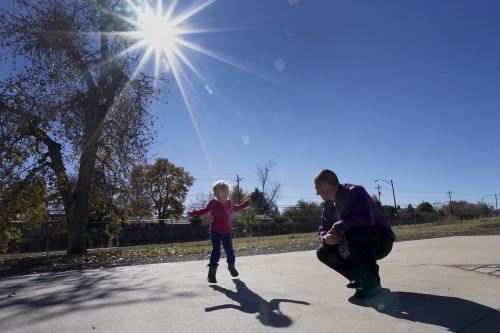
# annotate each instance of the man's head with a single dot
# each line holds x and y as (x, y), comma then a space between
(326, 184)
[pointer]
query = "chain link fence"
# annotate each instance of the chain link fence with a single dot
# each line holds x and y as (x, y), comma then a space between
(52, 235)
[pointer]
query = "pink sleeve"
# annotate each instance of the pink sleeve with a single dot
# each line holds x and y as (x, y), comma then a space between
(203, 211)
(244, 205)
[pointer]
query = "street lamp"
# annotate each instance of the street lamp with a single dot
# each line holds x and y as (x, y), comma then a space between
(496, 201)
(390, 182)
(482, 199)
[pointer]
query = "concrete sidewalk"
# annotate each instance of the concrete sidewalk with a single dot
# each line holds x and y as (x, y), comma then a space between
(434, 285)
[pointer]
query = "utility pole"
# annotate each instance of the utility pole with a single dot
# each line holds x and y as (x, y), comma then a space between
(496, 203)
(394, 197)
(238, 179)
(451, 205)
(378, 189)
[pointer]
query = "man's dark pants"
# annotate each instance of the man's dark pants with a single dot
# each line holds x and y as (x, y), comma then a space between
(367, 245)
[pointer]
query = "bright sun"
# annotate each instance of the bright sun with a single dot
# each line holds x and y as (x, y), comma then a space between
(156, 30)
(161, 36)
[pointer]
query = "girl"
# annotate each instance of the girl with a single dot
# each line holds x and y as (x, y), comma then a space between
(220, 227)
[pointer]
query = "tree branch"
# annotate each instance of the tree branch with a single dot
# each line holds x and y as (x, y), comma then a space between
(54, 148)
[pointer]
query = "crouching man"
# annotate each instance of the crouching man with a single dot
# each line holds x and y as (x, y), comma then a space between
(353, 233)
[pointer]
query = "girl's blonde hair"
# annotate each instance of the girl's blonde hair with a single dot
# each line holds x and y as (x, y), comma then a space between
(220, 185)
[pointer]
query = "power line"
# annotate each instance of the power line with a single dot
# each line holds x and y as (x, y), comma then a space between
(365, 186)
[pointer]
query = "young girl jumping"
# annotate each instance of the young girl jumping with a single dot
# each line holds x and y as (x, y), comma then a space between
(220, 227)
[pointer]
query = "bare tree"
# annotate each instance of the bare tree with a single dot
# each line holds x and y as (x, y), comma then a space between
(201, 201)
(270, 190)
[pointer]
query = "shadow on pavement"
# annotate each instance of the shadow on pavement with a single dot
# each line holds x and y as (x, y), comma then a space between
(455, 314)
(62, 293)
(268, 313)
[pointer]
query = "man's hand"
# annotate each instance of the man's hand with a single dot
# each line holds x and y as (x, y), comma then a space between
(330, 239)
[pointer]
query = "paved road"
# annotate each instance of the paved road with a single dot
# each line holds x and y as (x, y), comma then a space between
(435, 285)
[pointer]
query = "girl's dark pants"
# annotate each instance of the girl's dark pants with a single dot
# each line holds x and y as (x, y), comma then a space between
(217, 238)
(367, 245)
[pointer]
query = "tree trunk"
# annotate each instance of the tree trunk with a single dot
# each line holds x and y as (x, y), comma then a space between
(78, 225)
(79, 213)
(3, 225)
(161, 222)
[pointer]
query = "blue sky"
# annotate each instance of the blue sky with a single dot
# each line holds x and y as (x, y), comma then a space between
(402, 90)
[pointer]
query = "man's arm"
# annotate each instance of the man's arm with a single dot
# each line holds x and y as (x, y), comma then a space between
(321, 233)
(327, 219)
(362, 212)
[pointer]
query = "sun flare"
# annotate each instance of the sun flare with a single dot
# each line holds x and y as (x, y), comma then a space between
(157, 31)
(161, 35)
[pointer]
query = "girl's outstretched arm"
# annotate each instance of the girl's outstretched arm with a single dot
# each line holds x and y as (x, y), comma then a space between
(244, 205)
(201, 212)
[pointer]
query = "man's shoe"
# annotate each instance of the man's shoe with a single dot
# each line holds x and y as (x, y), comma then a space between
(366, 293)
(232, 270)
(353, 284)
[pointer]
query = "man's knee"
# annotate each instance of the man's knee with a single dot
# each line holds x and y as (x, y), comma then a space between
(322, 253)
(384, 250)
(328, 255)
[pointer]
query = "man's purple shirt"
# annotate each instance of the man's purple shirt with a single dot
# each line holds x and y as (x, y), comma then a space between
(353, 207)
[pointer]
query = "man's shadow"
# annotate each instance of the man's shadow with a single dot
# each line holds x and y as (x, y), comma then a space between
(268, 313)
(456, 314)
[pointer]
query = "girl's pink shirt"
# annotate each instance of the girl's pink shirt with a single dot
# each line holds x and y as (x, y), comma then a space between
(221, 214)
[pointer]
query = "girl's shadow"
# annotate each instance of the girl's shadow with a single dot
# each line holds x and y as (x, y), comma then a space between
(268, 313)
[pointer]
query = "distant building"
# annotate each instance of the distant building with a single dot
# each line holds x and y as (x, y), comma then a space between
(263, 218)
